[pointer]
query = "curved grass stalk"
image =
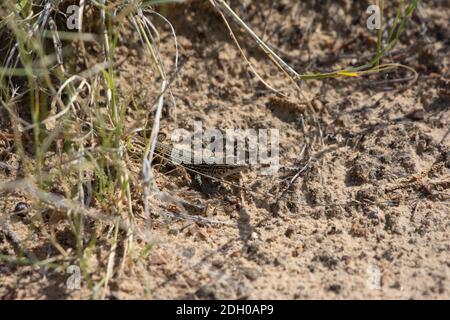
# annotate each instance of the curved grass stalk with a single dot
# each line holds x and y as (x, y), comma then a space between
(396, 30)
(58, 99)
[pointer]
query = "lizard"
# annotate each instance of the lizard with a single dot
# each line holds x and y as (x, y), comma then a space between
(198, 171)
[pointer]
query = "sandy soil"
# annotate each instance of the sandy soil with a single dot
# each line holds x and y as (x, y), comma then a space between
(368, 218)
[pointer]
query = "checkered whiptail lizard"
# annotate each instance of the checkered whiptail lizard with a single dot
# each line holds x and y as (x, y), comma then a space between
(198, 171)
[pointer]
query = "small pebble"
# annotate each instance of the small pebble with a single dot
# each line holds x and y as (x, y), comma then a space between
(336, 288)
(416, 115)
(21, 207)
(250, 273)
(218, 264)
(289, 232)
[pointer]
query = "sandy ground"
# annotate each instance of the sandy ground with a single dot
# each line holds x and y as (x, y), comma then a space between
(366, 219)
